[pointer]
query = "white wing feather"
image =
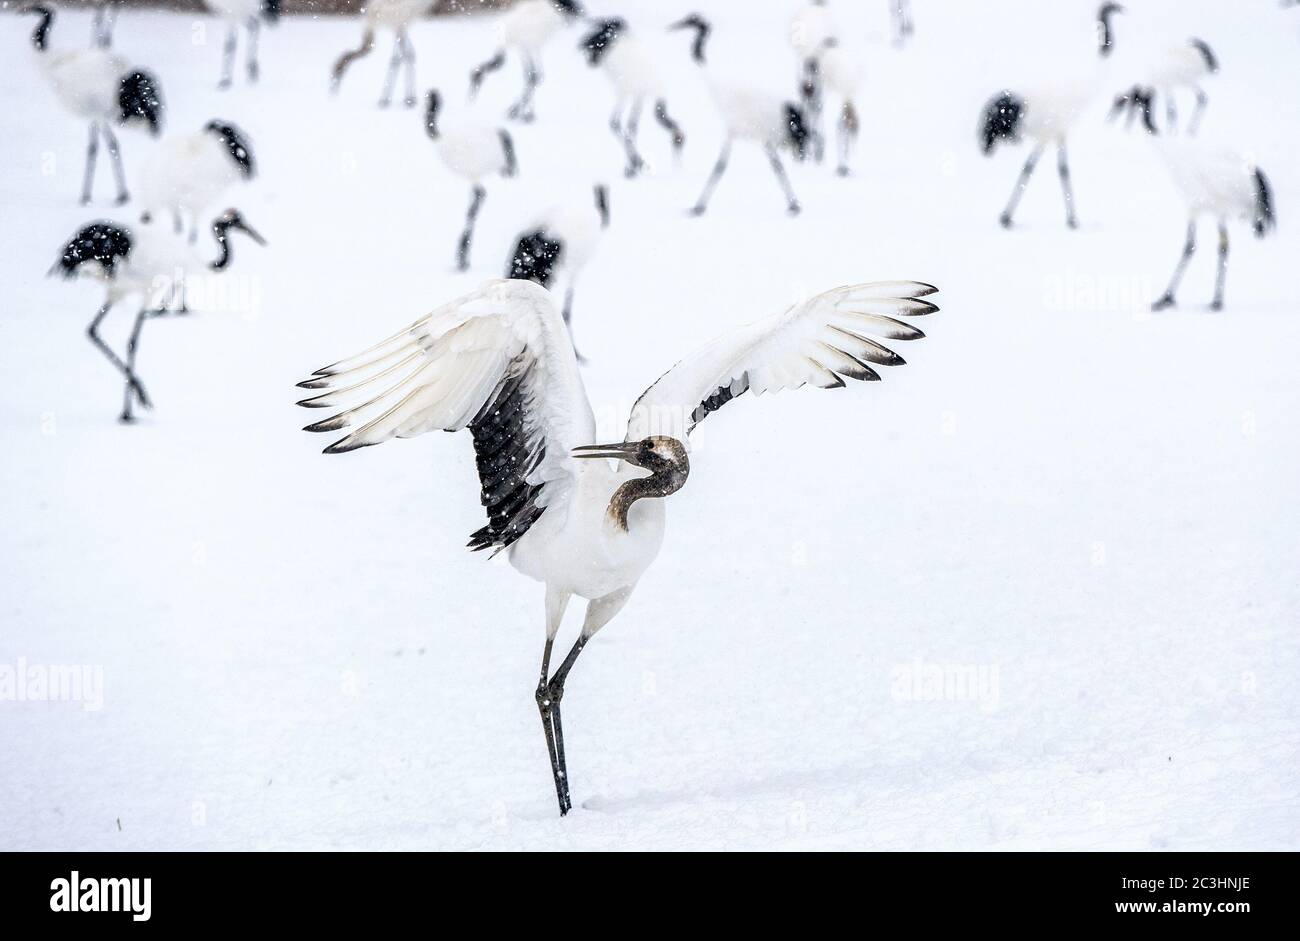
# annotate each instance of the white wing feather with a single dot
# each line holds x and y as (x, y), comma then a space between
(813, 343)
(498, 360)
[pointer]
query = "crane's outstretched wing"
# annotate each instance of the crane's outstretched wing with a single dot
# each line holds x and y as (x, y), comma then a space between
(498, 362)
(814, 343)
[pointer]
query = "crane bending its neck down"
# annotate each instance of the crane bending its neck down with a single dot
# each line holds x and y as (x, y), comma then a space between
(664, 457)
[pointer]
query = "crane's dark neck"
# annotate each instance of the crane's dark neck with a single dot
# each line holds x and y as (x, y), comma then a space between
(697, 47)
(221, 232)
(1106, 37)
(42, 34)
(667, 479)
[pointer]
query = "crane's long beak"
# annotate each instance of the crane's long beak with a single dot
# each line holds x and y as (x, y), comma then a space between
(622, 451)
(250, 232)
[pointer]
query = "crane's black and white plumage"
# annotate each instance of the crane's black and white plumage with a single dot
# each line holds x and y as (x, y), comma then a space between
(499, 362)
(394, 15)
(1044, 115)
(473, 151)
(189, 173)
(558, 246)
(751, 114)
(636, 78)
(1169, 70)
(1216, 183)
(103, 89)
(249, 14)
(145, 261)
(526, 29)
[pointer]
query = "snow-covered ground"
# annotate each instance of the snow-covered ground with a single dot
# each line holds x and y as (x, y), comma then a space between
(1089, 511)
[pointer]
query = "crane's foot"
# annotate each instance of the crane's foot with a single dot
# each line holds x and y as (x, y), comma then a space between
(84, 200)
(1072, 223)
(793, 209)
(696, 211)
(841, 171)
(1216, 305)
(1004, 220)
(1163, 302)
(224, 84)
(122, 199)
(384, 102)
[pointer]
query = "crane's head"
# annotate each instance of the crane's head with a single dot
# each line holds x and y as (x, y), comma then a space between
(1105, 30)
(663, 456)
(701, 27)
(231, 219)
(654, 453)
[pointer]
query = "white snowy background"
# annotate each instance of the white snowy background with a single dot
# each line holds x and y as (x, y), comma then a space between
(1093, 507)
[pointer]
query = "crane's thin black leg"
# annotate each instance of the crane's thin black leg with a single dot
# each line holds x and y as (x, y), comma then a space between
(408, 62)
(634, 161)
(132, 381)
(131, 386)
(791, 204)
(480, 72)
(118, 172)
(522, 110)
(1221, 278)
(811, 91)
(92, 151)
(1021, 183)
(544, 708)
(1189, 248)
(462, 247)
(1063, 169)
(1202, 99)
(549, 694)
(848, 136)
(390, 79)
(668, 124)
(616, 125)
(719, 168)
(254, 30)
(228, 57)
(101, 33)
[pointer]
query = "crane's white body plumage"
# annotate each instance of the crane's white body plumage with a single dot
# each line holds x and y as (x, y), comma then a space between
(187, 174)
(85, 80)
(1214, 180)
(632, 70)
(530, 25)
(471, 149)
